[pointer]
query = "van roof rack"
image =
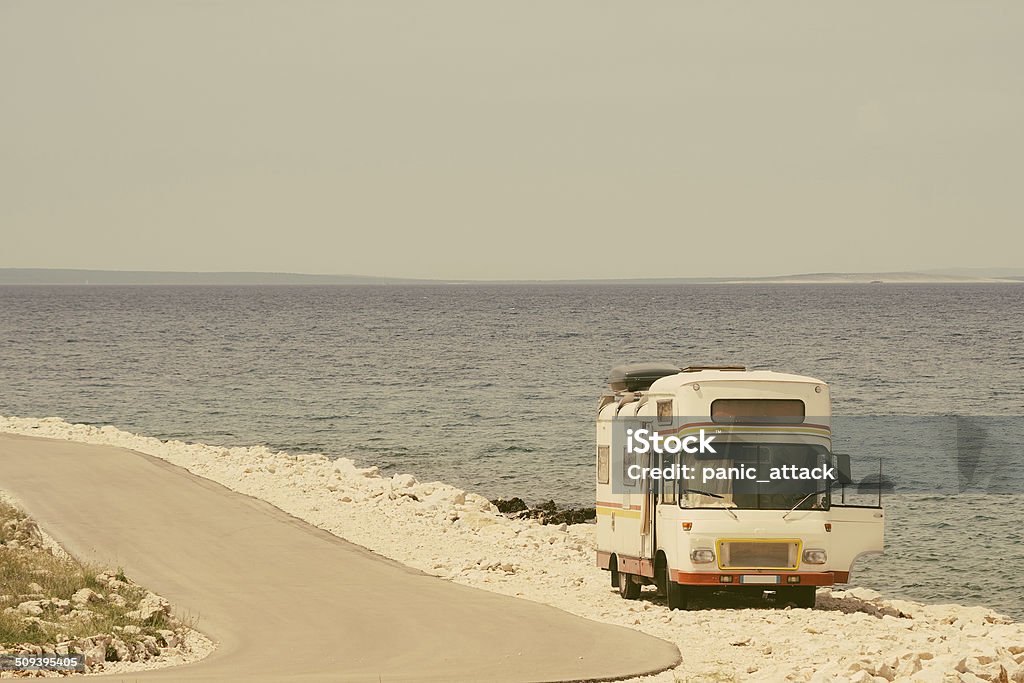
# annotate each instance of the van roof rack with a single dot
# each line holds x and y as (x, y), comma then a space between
(638, 376)
(698, 368)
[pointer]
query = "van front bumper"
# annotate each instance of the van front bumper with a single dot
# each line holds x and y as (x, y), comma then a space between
(756, 578)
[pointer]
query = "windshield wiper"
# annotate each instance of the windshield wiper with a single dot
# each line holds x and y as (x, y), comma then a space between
(799, 503)
(729, 505)
(704, 493)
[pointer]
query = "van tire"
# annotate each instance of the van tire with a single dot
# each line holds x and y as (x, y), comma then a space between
(801, 596)
(661, 573)
(677, 596)
(628, 588)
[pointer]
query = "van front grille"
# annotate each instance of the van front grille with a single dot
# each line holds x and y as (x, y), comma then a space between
(759, 554)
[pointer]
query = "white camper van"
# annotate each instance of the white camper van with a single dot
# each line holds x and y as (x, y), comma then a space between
(743, 531)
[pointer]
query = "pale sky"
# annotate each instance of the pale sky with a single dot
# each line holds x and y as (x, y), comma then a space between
(547, 139)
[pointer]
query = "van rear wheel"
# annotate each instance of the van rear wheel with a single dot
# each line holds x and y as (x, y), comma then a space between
(628, 589)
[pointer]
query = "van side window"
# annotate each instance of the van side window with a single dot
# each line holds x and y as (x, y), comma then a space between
(665, 412)
(668, 486)
(628, 460)
(668, 492)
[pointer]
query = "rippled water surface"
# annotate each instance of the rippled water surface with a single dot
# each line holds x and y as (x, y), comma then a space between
(494, 388)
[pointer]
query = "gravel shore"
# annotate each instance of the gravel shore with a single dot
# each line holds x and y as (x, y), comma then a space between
(852, 635)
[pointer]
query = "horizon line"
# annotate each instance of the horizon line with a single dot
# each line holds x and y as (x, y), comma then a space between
(36, 275)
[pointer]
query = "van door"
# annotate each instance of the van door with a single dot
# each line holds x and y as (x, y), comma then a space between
(856, 531)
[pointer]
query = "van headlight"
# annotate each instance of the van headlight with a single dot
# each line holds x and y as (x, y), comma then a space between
(702, 556)
(815, 556)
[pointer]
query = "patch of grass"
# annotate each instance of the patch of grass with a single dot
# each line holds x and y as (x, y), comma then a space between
(29, 572)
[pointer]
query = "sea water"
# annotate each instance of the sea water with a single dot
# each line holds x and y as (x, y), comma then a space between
(494, 387)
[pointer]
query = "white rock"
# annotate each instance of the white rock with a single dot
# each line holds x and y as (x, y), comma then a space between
(152, 647)
(169, 636)
(403, 481)
(865, 594)
(968, 677)
(85, 596)
(95, 655)
(150, 606)
(121, 650)
(31, 608)
(81, 615)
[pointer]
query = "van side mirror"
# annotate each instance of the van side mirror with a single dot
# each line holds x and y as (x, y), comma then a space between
(844, 472)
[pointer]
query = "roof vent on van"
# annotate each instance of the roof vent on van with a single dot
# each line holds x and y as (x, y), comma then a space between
(698, 368)
(638, 376)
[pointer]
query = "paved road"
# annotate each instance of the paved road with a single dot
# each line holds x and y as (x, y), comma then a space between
(289, 602)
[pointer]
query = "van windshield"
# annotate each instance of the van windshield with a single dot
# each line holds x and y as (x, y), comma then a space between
(757, 476)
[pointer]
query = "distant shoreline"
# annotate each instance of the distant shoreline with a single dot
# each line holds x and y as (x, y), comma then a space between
(77, 277)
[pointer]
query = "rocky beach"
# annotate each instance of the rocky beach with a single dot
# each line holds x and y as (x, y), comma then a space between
(852, 635)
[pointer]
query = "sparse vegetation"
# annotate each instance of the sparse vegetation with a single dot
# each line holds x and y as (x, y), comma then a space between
(53, 603)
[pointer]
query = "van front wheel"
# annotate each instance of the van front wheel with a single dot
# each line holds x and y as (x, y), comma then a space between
(628, 589)
(676, 595)
(801, 596)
